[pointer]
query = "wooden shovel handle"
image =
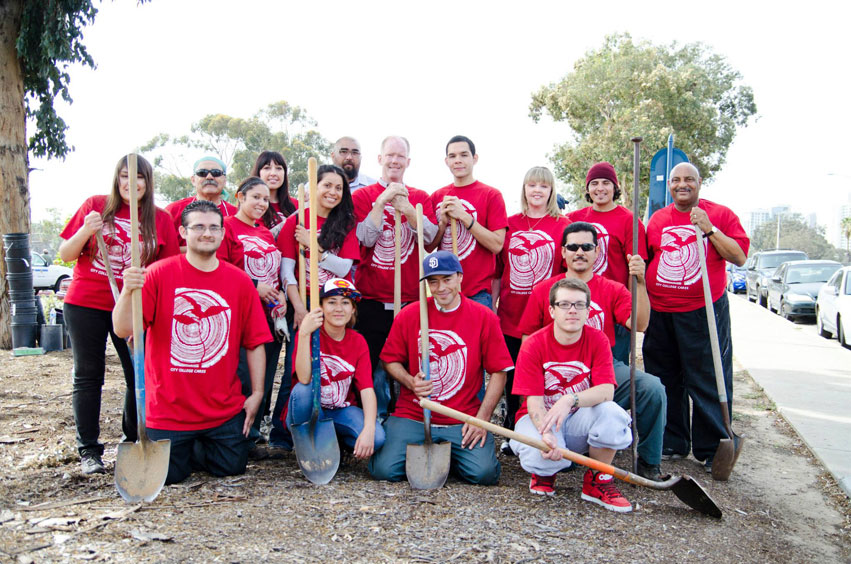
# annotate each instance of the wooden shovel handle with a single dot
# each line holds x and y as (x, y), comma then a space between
(314, 245)
(453, 229)
(397, 264)
(135, 252)
(104, 257)
(302, 274)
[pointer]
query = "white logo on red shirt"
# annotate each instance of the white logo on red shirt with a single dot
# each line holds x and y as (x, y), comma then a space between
(336, 378)
(679, 263)
(383, 255)
(447, 363)
(200, 328)
(466, 241)
(262, 260)
(530, 257)
(558, 377)
(601, 263)
(596, 316)
(117, 239)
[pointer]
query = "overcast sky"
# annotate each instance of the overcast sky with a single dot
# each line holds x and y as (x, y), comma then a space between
(431, 70)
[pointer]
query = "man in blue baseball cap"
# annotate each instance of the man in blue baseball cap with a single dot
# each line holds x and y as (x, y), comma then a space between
(464, 341)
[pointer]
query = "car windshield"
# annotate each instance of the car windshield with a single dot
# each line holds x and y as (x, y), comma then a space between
(773, 261)
(814, 273)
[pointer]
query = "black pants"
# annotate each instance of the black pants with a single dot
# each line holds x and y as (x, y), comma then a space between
(374, 322)
(512, 402)
(89, 328)
(677, 349)
(273, 353)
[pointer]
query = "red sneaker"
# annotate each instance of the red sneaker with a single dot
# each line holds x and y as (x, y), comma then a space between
(542, 485)
(600, 488)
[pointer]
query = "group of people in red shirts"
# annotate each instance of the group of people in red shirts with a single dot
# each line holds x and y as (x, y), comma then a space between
(539, 302)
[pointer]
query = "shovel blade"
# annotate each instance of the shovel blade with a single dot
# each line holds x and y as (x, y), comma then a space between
(141, 469)
(725, 458)
(427, 465)
(692, 494)
(317, 450)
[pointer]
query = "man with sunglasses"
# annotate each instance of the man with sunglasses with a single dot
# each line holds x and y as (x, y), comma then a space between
(565, 373)
(198, 311)
(346, 154)
(209, 179)
(611, 303)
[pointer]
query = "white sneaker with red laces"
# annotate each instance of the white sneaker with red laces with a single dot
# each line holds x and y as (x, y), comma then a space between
(600, 488)
(542, 485)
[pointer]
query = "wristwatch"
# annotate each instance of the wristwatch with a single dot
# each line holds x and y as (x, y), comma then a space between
(712, 230)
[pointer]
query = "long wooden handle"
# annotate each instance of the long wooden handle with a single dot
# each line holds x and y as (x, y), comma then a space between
(453, 228)
(135, 251)
(314, 245)
(633, 330)
(104, 257)
(397, 265)
(425, 355)
(302, 275)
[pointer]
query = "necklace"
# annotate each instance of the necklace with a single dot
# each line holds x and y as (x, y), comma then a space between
(529, 225)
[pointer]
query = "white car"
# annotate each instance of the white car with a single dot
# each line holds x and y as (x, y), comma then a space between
(833, 307)
(46, 275)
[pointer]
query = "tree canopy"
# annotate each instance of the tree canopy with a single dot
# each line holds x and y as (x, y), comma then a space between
(237, 141)
(796, 234)
(626, 89)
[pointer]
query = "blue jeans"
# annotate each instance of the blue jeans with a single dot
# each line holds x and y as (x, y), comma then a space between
(651, 406)
(621, 349)
(348, 421)
(280, 436)
(477, 466)
(221, 451)
(484, 297)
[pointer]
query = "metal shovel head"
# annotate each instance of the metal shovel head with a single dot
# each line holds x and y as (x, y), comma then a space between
(427, 465)
(692, 494)
(725, 458)
(316, 449)
(141, 469)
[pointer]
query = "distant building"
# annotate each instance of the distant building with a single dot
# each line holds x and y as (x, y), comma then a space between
(758, 217)
(841, 239)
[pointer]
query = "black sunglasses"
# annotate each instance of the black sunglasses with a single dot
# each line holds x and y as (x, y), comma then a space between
(573, 247)
(203, 172)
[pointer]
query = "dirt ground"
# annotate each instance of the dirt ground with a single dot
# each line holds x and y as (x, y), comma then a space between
(779, 505)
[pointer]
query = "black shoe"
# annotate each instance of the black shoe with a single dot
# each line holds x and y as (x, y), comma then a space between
(91, 463)
(505, 449)
(650, 471)
(257, 453)
(671, 454)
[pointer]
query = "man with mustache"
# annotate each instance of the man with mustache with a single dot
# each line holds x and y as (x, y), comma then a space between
(464, 340)
(209, 178)
(676, 344)
(610, 304)
(346, 154)
(198, 311)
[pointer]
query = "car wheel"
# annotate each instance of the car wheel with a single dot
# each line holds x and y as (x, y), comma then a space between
(840, 333)
(784, 311)
(820, 326)
(748, 293)
(763, 300)
(58, 284)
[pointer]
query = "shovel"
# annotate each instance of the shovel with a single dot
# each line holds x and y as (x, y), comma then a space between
(684, 487)
(453, 229)
(728, 449)
(141, 467)
(633, 330)
(426, 465)
(315, 441)
(302, 276)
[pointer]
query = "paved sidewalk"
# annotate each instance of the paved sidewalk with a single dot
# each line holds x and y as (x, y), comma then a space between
(807, 377)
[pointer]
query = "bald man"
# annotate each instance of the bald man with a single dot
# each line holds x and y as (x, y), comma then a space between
(346, 154)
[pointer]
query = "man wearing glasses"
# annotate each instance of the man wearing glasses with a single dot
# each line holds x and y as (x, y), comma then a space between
(346, 155)
(198, 311)
(209, 178)
(565, 372)
(610, 304)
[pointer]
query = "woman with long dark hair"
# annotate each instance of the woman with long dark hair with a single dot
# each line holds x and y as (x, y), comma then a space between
(89, 303)
(271, 168)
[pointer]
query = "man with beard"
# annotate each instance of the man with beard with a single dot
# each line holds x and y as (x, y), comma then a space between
(198, 311)
(676, 343)
(209, 179)
(375, 212)
(464, 340)
(346, 155)
(610, 304)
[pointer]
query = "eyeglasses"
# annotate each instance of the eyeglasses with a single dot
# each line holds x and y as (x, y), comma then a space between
(203, 172)
(198, 228)
(573, 247)
(352, 152)
(565, 306)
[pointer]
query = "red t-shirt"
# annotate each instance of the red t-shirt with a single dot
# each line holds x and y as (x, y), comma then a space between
(673, 277)
(252, 249)
(176, 209)
(90, 284)
(614, 240)
(611, 302)
(531, 254)
(204, 318)
(547, 368)
(486, 205)
(374, 275)
(289, 248)
(341, 363)
(462, 344)
(279, 214)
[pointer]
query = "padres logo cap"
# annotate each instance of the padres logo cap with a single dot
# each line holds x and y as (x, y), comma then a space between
(441, 263)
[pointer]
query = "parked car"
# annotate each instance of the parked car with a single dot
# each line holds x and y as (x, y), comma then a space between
(833, 307)
(735, 278)
(760, 268)
(795, 285)
(47, 276)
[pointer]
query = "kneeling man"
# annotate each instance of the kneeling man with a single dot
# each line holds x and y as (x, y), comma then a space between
(464, 341)
(565, 371)
(198, 311)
